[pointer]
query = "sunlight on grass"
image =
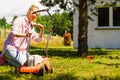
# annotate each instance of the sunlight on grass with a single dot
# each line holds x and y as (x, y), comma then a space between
(1, 43)
(68, 65)
(54, 42)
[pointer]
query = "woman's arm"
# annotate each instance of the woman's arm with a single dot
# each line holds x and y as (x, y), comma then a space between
(23, 35)
(41, 27)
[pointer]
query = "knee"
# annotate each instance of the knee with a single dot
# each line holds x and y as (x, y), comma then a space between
(45, 59)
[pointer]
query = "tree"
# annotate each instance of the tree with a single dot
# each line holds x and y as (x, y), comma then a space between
(3, 22)
(45, 20)
(14, 18)
(61, 22)
(83, 25)
(83, 22)
(83, 19)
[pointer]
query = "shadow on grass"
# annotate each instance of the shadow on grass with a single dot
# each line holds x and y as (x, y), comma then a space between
(11, 75)
(65, 52)
(100, 77)
(69, 76)
(4, 77)
(63, 76)
(7, 75)
(99, 51)
(62, 52)
(108, 64)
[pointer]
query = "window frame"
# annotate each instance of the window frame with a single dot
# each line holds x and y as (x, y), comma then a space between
(110, 27)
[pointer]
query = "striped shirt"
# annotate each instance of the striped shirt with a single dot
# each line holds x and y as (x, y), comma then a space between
(20, 26)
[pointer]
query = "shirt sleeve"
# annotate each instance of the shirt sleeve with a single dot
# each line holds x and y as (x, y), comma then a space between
(16, 26)
(35, 36)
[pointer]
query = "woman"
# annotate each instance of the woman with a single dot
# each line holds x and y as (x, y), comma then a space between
(15, 46)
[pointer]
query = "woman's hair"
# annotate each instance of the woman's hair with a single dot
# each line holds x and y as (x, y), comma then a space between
(32, 7)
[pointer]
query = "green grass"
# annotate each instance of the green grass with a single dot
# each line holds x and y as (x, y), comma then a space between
(69, 66)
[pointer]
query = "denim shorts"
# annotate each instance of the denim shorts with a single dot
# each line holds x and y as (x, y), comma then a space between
(15, 58)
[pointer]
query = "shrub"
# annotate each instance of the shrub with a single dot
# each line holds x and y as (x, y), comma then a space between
(67, 39)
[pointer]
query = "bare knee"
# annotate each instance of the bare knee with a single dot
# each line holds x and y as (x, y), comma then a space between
(45, 59)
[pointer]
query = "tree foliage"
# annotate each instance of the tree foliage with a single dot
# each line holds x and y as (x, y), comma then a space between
(63, 4)
(44, 20)
(14, 18)
(3, 22)
(61, 22)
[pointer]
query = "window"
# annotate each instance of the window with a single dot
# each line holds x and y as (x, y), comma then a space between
(116, 16)
(109, 17)
(103, 16)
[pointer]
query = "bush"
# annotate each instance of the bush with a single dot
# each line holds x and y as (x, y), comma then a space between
(67, 39)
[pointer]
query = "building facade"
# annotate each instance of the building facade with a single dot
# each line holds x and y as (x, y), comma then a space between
(104, 28)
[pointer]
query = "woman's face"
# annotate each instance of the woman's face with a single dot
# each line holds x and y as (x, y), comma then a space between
(32, 16)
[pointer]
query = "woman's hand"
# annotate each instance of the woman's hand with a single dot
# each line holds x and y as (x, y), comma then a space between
(40, 26)
(28, 34)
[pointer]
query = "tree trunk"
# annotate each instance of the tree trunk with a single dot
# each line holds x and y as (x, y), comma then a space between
(82, 29)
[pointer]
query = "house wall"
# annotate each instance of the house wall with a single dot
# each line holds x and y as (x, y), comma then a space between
(75, 26)
(97, 37)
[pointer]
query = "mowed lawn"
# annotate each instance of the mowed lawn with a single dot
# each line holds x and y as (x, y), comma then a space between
(105, 64)
(69, 66)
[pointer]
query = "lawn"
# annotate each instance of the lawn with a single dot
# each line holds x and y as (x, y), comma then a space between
(69, 66)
